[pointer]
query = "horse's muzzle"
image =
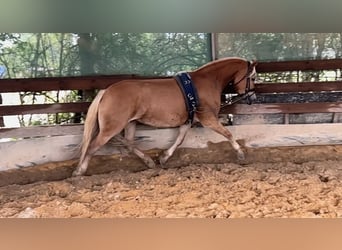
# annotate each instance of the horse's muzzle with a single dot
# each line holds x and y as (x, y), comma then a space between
(251, 97)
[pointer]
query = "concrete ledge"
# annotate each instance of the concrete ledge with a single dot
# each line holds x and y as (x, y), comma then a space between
(32, 152)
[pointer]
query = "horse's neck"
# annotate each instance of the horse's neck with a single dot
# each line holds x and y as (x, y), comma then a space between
(220, 72)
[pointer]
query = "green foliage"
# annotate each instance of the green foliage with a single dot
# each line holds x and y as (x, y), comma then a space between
(280, 46)
(59, 54)
(28, 55)
(146, 53)
(283, 46)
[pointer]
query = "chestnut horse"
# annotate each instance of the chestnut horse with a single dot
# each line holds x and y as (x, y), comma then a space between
(160, 103)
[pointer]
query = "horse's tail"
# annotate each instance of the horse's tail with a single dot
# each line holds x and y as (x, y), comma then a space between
(91, 125)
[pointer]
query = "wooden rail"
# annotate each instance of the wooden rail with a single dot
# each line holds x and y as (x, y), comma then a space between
(44, 108)
(304, 65)
(63, 83)
(298, 87)
(101, 82)
(260, 88)
(283, 108)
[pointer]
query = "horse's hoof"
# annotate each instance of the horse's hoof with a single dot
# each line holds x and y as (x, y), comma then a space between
(150, 163)
(162, 161)
(241, 156)
(76, 173)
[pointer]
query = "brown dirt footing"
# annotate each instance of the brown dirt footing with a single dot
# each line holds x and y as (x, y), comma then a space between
(303, 181)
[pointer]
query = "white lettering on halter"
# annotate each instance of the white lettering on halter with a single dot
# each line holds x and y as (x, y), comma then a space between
(190, 97)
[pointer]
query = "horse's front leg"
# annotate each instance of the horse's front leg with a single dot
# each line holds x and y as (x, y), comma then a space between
(213, 123)
(183, 129)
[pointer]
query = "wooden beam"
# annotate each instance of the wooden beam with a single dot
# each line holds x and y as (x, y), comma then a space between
(305, 65)
(52, 130)
(100, 82)
(63, 83)
(44, 108)
(38, 131)
(298, 87)
(283, 108)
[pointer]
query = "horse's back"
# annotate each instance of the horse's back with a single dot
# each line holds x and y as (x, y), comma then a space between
(156, 102)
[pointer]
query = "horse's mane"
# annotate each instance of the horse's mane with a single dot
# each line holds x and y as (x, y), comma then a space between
(219, 61)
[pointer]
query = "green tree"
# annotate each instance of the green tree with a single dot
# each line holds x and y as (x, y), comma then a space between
(65, 54)
(38, 55)
(282, 46)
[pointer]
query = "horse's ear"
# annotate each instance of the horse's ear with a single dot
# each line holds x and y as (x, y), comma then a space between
(254, 63)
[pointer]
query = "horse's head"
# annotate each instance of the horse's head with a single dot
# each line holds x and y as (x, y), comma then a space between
(244, 82)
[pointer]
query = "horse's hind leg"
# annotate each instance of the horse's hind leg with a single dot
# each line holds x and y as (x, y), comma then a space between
(95, 145)
(129, 137)
(129, 144)
(107, 130)
(181, 135)
(129, 133)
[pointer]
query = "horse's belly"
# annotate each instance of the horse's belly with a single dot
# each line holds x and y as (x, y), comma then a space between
(163, 119)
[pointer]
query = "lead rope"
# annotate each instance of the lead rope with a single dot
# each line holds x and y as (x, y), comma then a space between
(231, 102)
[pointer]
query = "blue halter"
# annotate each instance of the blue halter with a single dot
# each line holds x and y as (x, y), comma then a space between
(189, 91)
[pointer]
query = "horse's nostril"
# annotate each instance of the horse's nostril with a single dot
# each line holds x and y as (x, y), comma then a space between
(251, 97)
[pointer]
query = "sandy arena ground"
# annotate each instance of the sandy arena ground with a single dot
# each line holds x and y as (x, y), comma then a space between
(301, 181)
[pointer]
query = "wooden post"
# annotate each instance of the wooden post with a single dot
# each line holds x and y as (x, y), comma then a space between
(336, 117)
(2, 123)
(86, 52)
(213, 46)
